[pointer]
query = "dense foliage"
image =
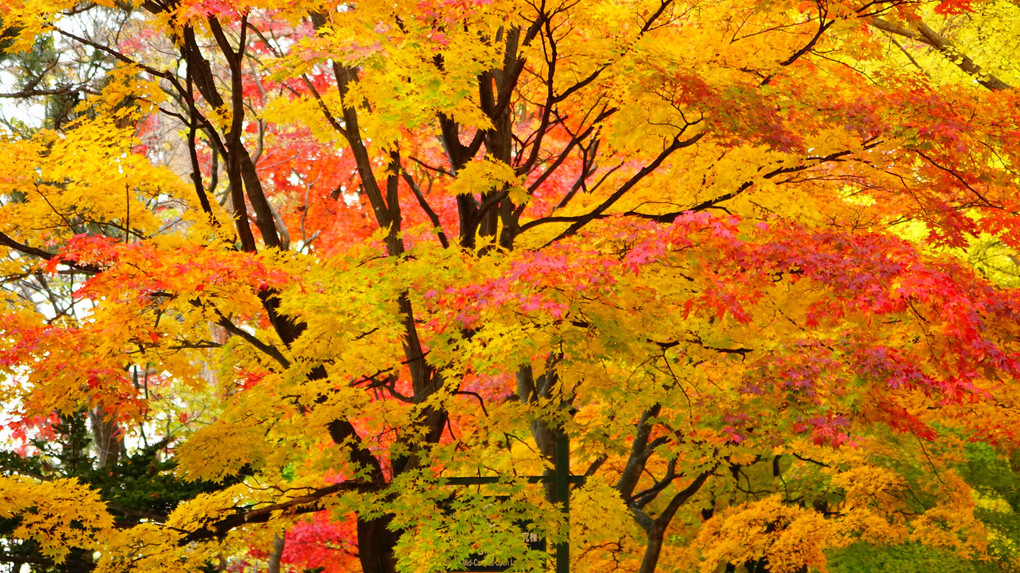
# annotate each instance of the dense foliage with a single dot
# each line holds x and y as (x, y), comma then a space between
(274, 270)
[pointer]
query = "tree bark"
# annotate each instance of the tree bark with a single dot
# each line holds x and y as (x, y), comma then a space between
(276, 555)
(106, 437)
(924, 34)
(375, 545)
(657, 531)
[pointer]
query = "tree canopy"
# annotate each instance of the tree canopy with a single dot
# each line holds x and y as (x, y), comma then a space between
(274, 271)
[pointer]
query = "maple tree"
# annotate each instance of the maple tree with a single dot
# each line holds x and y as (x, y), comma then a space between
(276, 270)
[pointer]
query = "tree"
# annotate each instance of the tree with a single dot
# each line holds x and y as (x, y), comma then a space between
(279, 269)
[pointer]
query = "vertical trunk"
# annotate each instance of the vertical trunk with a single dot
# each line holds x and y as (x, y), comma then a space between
(530, 390)
(276, 555)
(375, 545)
(496, 87)
(106, 437)
(654, 548)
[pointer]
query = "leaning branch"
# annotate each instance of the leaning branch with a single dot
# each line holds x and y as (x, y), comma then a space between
(299, 505)
(597, 213)
(925, 35)
(24, 249)
(265, 348)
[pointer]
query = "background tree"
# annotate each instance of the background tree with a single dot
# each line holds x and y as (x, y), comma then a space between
(274, 267)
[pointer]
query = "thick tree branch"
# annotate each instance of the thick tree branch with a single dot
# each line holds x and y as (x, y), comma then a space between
(639, 453)
(239, 162)
(657, 532)
(24, 249)
(308, 503)
(265, 348)
(925, 35)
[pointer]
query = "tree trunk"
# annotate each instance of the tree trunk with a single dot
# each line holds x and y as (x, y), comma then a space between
(106, 436)
(657, 530)
(653, 549)
(376, 545)
(276, 555)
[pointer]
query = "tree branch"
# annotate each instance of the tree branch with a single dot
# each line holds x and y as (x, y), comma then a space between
(925, 35)
(295, 506)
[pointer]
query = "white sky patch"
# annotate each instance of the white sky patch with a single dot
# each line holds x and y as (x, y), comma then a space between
(16, 109)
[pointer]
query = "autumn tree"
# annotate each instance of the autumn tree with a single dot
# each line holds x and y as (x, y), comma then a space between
(275, 271)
